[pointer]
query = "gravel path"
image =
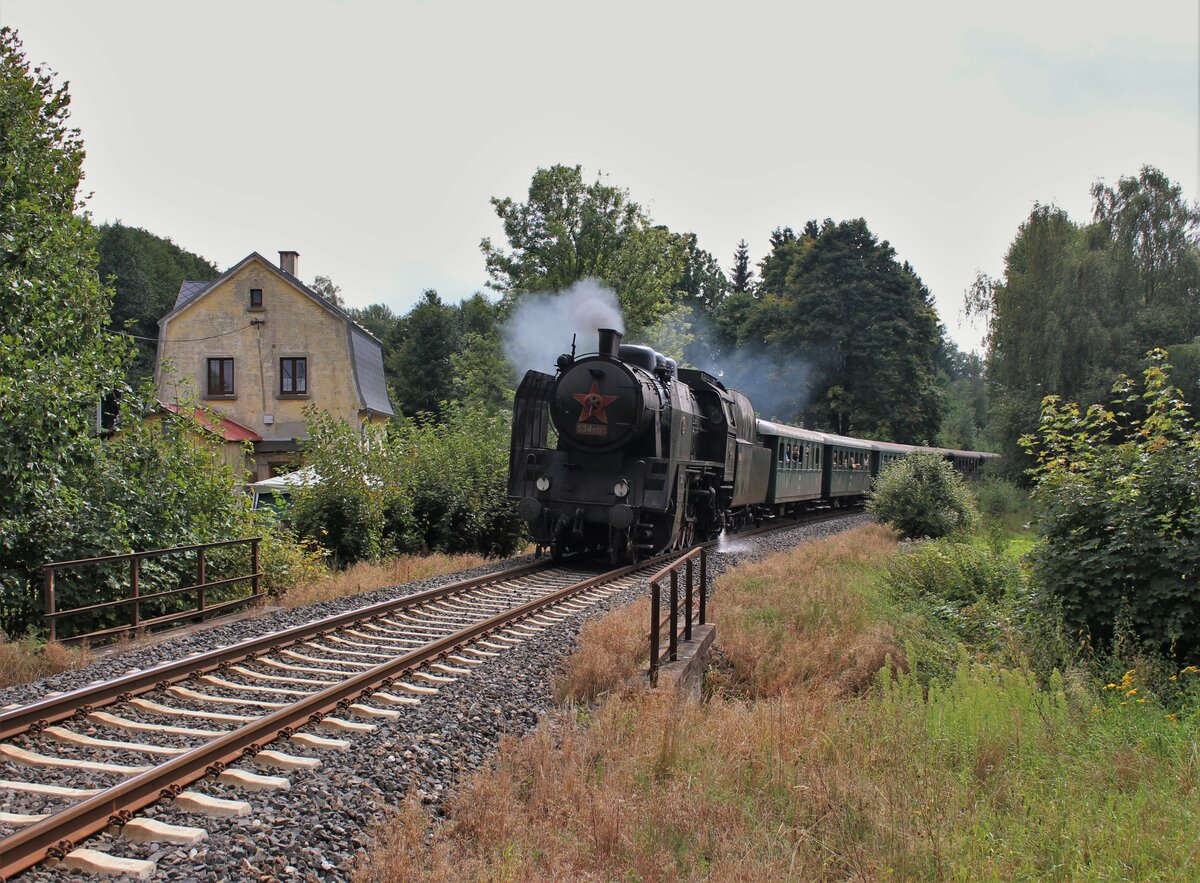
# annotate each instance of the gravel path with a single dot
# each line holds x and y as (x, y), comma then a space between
(313, 831)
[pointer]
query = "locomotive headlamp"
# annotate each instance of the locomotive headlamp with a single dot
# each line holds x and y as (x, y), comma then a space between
(543, 482)
(621, 488)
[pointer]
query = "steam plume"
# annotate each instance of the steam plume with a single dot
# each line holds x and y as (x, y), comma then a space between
(541, 326)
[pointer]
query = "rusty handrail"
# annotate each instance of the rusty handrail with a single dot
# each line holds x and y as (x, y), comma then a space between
(51, 614)
(689, 609)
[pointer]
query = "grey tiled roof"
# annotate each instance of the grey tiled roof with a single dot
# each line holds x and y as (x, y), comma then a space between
(368, 370)
(188, 290)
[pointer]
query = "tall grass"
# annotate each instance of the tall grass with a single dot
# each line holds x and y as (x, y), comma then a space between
(820, 757)
(30, 659)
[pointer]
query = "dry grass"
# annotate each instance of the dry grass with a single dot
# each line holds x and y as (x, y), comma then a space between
(30, 659)
(612, 651)
(794, 772)
(798, 620)
(365, 576)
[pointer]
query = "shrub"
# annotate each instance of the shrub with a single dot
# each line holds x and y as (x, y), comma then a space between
(963, 594)
(1119, 506)
(922, 496)
(427, 484)
(1002, 502)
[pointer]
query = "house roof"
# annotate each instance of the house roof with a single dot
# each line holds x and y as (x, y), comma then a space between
(229, 430)
(366, 352)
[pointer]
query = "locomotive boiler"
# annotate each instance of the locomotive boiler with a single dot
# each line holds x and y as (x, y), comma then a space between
(620, 450)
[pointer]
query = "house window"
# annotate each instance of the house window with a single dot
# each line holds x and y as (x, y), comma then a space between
(220, 377)
(256, 298)
(293, 377)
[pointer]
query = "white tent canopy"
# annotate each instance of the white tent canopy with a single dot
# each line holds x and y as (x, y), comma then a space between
(283, 484)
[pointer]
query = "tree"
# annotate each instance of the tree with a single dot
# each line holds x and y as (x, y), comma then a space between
(742, 275)
(702, 285)
(854, 332)
(378, 319)
(1119, 509)
(1078, 304)
(324, 286)
(568, 230)
(922, 496)
(56, 360)
(421, 367)
(145, 272)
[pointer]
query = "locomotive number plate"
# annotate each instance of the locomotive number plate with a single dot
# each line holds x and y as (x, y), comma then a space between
(591, 429)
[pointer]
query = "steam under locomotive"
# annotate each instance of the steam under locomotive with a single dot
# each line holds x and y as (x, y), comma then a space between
(624, 451)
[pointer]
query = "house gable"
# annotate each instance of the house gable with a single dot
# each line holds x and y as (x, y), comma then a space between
(259, 345)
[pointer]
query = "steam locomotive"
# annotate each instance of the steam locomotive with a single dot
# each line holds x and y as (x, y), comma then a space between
(621, 450)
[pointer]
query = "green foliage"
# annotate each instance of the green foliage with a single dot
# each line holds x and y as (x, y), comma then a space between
(420, 368)
(568, 230)
(1118, 494)
(922, 496)
(964, 391)
(960, 594)
(429, 485)
(1080, 303)
(1002, 502)
(145, 272)
(344, 511)
(56, 362)
(837, 301)
(454, 481)
(742, 277)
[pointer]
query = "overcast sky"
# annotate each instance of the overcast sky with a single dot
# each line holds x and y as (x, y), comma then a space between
(369, 136)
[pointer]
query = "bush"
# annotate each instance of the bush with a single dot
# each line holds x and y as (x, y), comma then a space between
(427, 484)
(1002, 502)
(964, 594)
(922, 496)
(453, 494)
(1119, 506)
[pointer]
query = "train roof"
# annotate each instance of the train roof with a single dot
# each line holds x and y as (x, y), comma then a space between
(982, 455)
(892, 447)
(766, 427)
(846, 441)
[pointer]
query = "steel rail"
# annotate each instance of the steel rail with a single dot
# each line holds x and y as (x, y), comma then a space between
(47, 711)
(57, 835)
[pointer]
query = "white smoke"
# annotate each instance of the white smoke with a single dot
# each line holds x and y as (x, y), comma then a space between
(541, 326)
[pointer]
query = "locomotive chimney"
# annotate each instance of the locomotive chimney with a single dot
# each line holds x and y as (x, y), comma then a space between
(610, 342)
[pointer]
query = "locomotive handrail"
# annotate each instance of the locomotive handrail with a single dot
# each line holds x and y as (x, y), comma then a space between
(691, 609)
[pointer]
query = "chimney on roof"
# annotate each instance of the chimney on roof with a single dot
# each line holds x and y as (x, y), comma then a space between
(287, 261)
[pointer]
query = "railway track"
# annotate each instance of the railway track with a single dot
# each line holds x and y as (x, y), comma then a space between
(249, 714)
(83, 761)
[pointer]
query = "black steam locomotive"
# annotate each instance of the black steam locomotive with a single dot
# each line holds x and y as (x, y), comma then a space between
(624, 451)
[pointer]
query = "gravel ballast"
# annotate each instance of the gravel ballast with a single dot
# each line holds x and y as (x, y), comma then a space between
(313, 830)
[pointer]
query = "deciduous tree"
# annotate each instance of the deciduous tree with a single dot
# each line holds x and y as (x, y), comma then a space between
(569, 230)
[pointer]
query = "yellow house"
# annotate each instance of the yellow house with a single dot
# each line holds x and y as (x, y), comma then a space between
(257, 346)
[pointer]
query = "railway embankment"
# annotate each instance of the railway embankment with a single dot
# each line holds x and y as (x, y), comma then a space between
(875, 709)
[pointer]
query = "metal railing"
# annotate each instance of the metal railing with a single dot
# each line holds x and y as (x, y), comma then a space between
(695, 607)
(136, 598)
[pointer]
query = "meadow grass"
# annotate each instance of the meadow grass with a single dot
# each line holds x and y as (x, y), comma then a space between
(820, 755)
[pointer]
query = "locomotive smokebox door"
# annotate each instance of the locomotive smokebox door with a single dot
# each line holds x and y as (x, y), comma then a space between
(598, 405)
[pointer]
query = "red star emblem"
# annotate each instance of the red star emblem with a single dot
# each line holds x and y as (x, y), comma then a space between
(593, 403)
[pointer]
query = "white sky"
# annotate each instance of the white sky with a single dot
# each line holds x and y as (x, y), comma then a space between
(369, 136)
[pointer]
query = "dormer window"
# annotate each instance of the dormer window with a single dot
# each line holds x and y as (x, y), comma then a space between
(256, 301)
